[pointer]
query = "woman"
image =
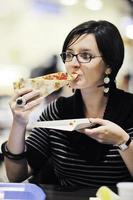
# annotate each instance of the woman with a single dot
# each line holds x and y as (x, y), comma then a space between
(99, 156)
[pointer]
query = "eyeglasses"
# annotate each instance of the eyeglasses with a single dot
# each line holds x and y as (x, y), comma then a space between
(84, 57)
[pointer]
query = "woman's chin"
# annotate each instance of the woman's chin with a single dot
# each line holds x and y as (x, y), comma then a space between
(79, 86)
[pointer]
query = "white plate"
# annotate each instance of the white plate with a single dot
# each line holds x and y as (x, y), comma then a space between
(68, 125)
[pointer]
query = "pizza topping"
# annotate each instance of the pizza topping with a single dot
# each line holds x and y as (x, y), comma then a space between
(45, 84)
(18, 84)
(56, 76)
(59, 76)
(57, 85)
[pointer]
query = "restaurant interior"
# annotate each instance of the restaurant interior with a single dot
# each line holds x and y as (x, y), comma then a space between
(31, 36)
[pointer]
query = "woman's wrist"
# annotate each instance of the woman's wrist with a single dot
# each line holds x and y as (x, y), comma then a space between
(20, 122)
(18, 125)
(124, 137)
(124, 146)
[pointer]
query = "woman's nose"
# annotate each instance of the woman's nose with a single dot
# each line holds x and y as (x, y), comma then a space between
(75, 62)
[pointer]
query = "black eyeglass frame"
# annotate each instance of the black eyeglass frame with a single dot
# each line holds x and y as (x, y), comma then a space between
(76, 55)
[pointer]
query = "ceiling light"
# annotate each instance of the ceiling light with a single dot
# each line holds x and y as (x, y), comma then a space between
(129, 31)
(68, 2)
(93, 4)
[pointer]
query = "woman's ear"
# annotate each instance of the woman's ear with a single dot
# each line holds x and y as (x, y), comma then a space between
(108, 70)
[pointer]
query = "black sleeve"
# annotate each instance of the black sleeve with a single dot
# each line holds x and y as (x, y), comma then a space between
(35, 159)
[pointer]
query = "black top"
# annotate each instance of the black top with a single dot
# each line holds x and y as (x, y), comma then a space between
(78, 159)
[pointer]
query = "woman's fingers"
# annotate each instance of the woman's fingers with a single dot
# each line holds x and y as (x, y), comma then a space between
(99, 121)
(20, 110)
(21, 92)
(31, 95)
(32, 104)
(32, 99)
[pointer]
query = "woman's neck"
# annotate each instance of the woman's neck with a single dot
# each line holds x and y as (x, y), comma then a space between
(95, 102)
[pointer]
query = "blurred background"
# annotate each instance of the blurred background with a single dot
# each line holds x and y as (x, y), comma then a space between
(32, 33)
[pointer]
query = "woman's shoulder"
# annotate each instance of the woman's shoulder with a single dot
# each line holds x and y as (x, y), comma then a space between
(124, 100)
(124, 95)
(121, 108)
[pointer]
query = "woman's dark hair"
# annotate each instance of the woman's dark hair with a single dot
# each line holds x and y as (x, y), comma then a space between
(108, 39)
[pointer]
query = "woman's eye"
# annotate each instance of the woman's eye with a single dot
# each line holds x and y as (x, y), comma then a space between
(85, 55)
(68, 55)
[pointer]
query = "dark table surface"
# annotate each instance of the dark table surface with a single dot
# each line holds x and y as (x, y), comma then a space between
(57, 193)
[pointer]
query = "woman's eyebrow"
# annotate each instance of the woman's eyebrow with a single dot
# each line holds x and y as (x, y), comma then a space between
(85, 49)
(81, 49)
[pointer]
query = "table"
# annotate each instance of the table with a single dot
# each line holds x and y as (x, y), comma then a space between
(57, 193)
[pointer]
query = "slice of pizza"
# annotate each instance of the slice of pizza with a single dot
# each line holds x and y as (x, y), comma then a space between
(45, 84)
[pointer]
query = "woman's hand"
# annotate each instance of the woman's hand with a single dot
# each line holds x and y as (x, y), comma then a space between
(21, 114)
(107, 133)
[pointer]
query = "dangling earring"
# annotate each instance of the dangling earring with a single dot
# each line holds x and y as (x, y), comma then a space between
(106, 82)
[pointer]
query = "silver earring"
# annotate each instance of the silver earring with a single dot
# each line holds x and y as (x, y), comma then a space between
(106, 79)
(106, 84)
